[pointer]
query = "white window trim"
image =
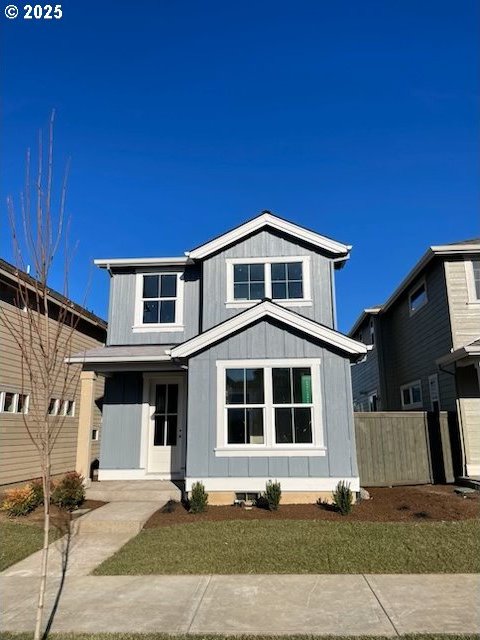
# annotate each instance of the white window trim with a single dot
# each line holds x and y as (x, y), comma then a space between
(95, 434)
(16, 397)
(139, 326)
(306, 301)
(472, 292)
(413, 405)
(269, 448)
(65, 408)
(422, 283)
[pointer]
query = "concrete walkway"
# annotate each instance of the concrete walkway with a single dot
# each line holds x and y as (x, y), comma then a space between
(241, 604)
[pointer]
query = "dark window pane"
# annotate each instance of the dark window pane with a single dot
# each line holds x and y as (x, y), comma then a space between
(281, 386)
(235, 386)
(294, 270)
(283, 426)
(8, 406)
(295, 290)
(302, 386)
(51, 406)
(240, 272)
(171, 431)
(254, 426)
(257, 291)
(150, 312)
(236, 426)
(406, 396)
(254, 391)
(168, 288)
(279, 290)
(418, 298)
(160, 398)
(150, 286)
(257, 272)
(240, 291)
(278, 271)
(416, 394)
(303, 425)
(21, 403)
(172, 404)
(159, 433)
(167, 311)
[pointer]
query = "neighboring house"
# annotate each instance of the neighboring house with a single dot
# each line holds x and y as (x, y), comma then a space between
(425, 345)
(19, 460)
(225, 366)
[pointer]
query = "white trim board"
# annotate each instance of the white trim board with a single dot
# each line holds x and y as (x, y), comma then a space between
(287, 484)
(134, 474)
(276, 312)
(267, 219)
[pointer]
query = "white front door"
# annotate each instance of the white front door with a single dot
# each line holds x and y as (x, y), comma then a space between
(166, 427)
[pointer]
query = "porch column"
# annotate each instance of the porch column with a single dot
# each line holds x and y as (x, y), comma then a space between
(85, 422)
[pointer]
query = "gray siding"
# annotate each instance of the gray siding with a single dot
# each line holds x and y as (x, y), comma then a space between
(265, 340)
(365, 374)
(412, 343)
(265, 244)
(122, 422)
(122, 310)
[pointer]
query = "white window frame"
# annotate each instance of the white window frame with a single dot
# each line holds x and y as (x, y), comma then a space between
(269, 447)
(95, 434)
(16, 396)
(141, 327)
(306, 301)
(65, 408)
(471, 289)
(413, 291)
(412, 405)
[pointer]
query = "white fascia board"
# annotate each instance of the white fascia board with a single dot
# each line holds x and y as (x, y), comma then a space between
(269, 220)
(108, 263)
(268, 309)
(456, 248)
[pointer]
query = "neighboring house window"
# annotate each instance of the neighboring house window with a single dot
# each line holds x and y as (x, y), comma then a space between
(473, 280)
(159, 304)
(434, 392)
(11, 402)
(411, 395)
(476, 277)
(373, 401)
(372, 332)
(94, 435)
(418, 298)
(54, 407)
(286, 280)
(68, 408)
(268, 405)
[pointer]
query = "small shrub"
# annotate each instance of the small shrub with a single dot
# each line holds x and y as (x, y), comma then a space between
(273, 493)
(69, 493)
(198, 498)
(19, 501)
(343, 498)
(37, 489)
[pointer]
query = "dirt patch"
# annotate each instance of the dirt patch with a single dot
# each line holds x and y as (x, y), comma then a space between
(396, 504)
(59, 518)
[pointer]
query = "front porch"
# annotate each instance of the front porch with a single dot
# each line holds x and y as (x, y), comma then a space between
(131, 491)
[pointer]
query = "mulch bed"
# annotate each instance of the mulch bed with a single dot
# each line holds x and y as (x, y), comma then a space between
(397, 504)
(59, 518)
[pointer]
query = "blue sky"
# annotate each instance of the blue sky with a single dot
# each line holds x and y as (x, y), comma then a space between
(357, 119)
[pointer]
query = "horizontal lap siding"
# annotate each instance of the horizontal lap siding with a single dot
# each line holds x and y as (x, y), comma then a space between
(122, 311)
(265, 244)
(412, 344)
(265, 340)
(19, 459)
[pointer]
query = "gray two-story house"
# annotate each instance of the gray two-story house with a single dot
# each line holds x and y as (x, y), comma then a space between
(424, 346)
(225, 366)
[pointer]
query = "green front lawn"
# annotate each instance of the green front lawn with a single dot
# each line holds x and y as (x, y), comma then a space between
(162, 636)
(19, 540)
(294, 546)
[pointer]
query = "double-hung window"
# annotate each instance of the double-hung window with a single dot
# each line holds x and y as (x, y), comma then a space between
(269, 406)
(286, 280)
(159, 304)
(411, 395)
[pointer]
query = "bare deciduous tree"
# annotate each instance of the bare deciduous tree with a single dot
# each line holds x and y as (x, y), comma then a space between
(43, 323)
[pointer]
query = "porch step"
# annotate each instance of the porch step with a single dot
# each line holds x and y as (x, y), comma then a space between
(117, 517)
(473, 482)
(159, 491)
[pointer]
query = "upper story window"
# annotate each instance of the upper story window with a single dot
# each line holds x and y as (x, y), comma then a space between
(286, 280)
(411, 395)
(418, 298)
(159, 302)
(473, 280)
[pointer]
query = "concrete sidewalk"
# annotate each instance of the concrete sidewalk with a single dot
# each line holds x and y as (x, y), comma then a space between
(251, 604)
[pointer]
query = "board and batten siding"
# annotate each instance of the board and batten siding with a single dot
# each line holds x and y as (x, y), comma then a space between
(266, 244)
(19, 459)
(266, 340)
(122, 309)
(411, 343)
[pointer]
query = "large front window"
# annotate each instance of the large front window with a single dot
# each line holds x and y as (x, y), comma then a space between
(282, 279)
(268, 405)
(159, 300)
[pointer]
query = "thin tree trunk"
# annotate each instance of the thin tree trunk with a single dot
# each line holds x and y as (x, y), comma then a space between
(46, 541)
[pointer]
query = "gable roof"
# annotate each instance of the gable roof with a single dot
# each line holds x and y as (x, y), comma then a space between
(269, 220)
(366, 313)
(263, 310)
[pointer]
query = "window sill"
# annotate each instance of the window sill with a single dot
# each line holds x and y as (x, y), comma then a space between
(474, 302)
(242, 304)
(250, 451)
(154, 328)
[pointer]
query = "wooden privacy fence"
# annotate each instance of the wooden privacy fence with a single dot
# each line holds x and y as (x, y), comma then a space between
(399, 447)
